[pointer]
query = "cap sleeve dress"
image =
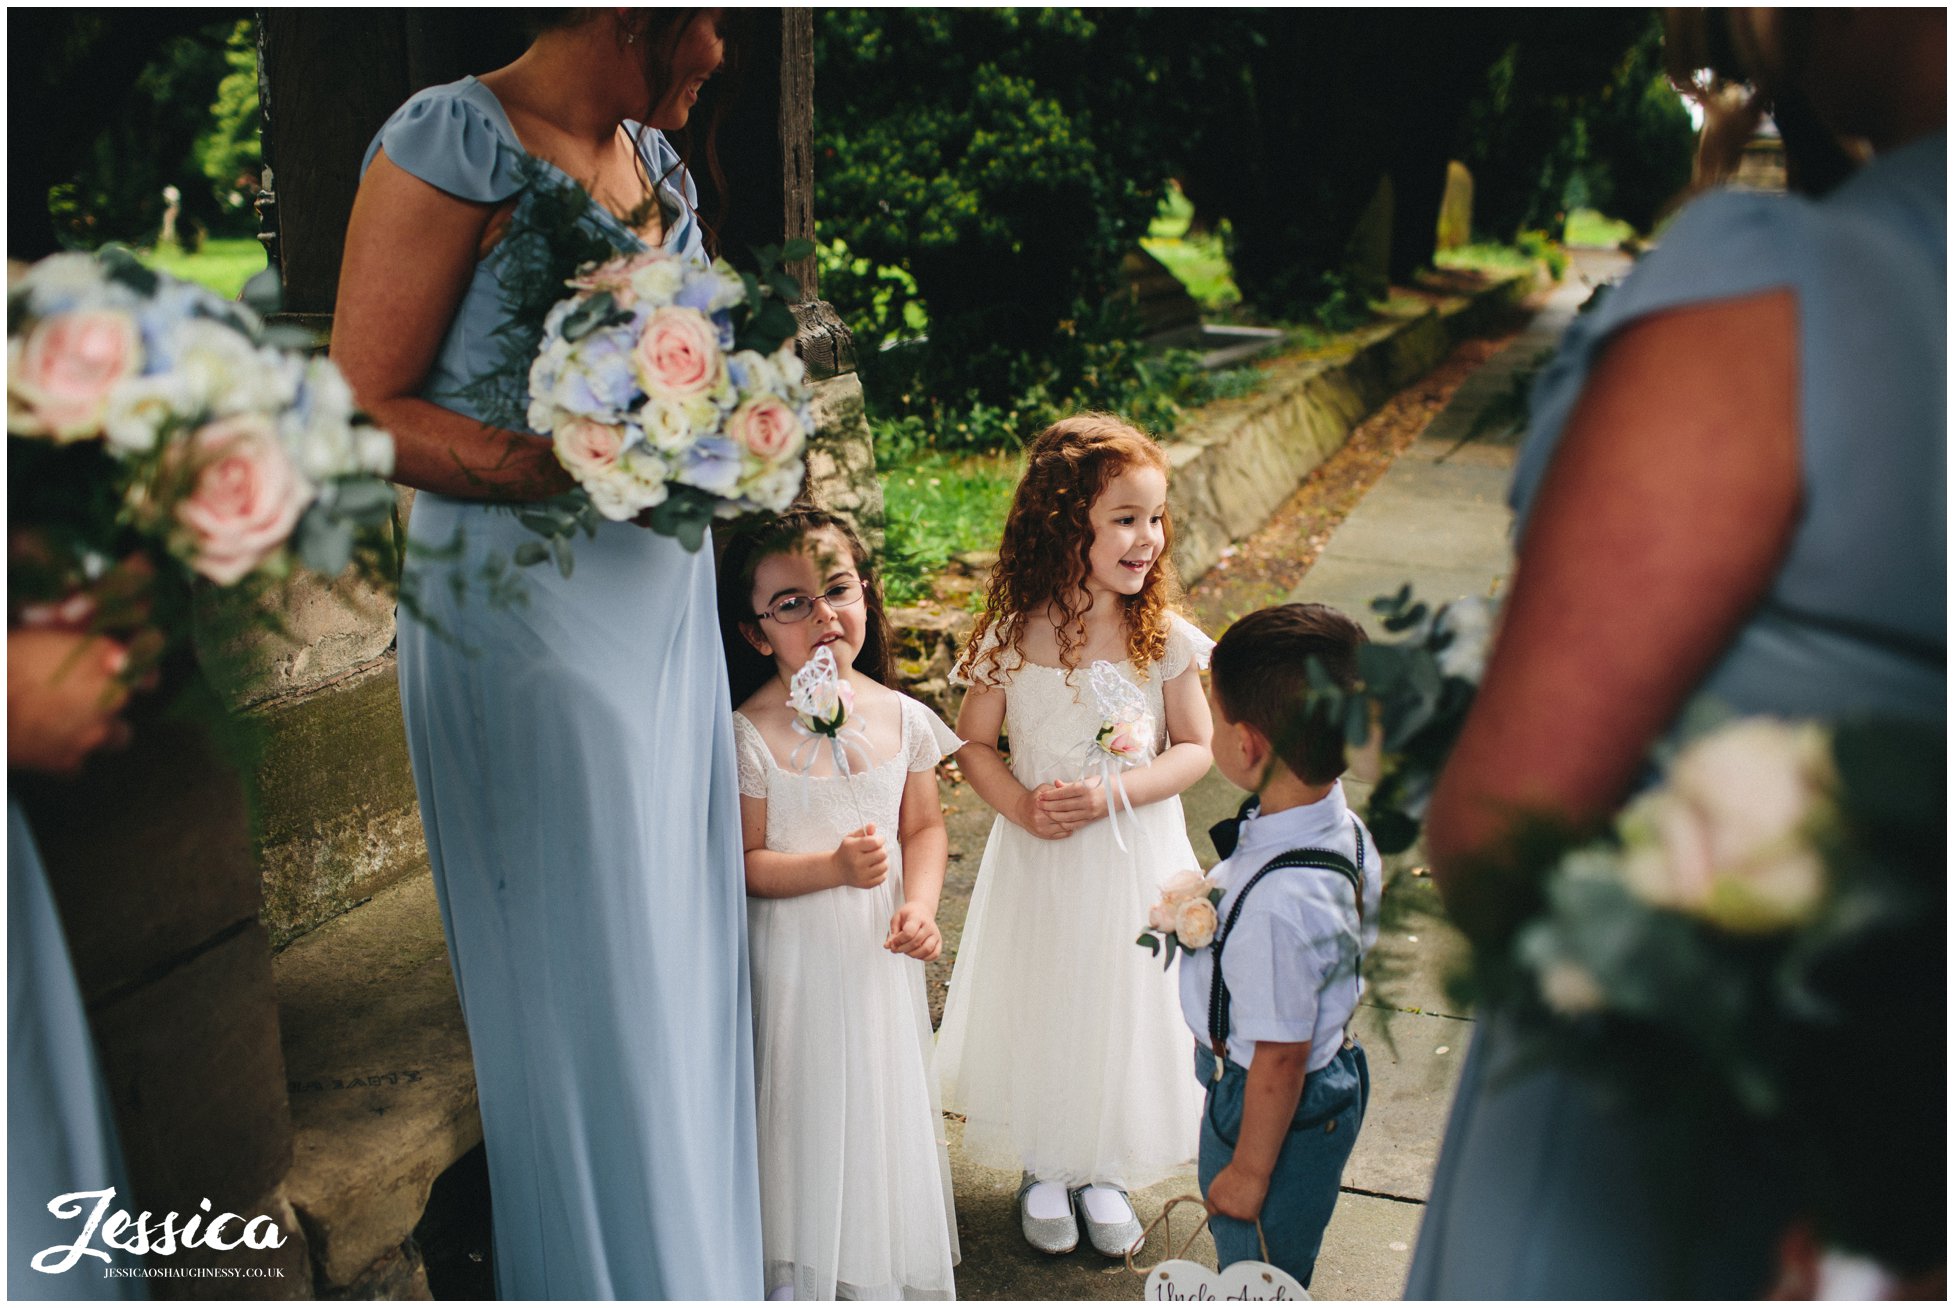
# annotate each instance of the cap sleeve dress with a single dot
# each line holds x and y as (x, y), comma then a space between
(578, 788)
(1543, 1190)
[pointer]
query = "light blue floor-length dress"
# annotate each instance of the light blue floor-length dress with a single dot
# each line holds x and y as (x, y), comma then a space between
(60, 1128)
(1543, 1191)
(574, 757)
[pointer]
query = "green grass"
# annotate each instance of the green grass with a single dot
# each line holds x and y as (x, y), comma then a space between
(1200, 261)
(223, 265)
(1590, 227)
(1486, 257)
(938, 506)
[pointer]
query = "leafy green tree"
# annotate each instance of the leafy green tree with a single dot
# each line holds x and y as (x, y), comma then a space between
(229, 152)
(118, 99)
(1005, 160)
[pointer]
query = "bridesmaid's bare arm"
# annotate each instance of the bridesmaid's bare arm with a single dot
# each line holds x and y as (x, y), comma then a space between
(411, 249)
(1669, 507)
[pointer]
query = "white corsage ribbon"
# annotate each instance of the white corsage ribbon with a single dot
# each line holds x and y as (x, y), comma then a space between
(1124, 739)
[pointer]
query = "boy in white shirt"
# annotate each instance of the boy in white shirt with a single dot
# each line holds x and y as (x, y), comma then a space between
(1287, 1084)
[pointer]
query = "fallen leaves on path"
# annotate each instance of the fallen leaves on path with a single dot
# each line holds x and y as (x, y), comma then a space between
(1266, 568)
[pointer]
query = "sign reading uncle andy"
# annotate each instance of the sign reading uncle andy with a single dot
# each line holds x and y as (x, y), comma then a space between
(1180, 1280)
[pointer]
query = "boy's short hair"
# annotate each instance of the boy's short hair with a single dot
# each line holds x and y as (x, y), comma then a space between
(1260, 670)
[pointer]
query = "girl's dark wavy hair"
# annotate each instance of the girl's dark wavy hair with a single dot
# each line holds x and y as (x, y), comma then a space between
(747, 669)
(663, 30)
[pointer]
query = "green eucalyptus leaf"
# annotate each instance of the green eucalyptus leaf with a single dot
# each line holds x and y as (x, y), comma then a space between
(560, 551)
(798, 248)
(1356, 721)
(325, 543)
(264, 292)
(364, 498)
(530, 553)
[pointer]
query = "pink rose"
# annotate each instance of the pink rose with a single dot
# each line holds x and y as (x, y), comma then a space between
(678, 355)
(66, 368)
(586, 447)
(1161, 916)
(768, 429)
(247, 497)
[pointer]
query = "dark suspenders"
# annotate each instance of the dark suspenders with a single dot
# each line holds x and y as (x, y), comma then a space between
(1327, 860)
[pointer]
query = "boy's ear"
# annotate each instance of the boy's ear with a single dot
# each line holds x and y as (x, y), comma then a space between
(751, 630)
(1256, 749)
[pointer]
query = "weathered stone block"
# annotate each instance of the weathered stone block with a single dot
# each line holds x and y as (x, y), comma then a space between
(1240, 460)
(399, 1275)
(381, 1079)
(195, 1072)
(339, 815)
(281, 1273)
(326, 629)
(841, 458)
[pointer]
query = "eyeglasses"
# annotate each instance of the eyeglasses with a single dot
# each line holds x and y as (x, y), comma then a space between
(799, 608)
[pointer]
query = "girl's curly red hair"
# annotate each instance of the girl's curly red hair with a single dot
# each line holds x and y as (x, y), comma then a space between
(1044, 558)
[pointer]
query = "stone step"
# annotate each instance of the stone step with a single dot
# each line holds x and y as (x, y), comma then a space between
(382, 1082)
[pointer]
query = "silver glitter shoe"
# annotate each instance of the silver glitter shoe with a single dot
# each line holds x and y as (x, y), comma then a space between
(1052, 1235)
(1113, 1239)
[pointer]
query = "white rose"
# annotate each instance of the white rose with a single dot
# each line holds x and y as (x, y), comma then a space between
(658, 281)
(140, 408)
(789, 364)
(1729, 838)
(702, 413)
(758, 373)
(667, 428)
(222, 372)
(1470, 623)
(776, 489)
(614, 493)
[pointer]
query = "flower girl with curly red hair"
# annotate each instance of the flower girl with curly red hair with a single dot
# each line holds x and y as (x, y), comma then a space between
(1061, 1042)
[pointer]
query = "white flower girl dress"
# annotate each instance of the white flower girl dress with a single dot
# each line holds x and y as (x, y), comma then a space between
(1062, 1041)
(855, 1198)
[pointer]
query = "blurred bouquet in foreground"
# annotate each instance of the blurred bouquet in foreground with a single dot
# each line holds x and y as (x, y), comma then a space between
(1758, 940)
(1762, 937)
(155, 437)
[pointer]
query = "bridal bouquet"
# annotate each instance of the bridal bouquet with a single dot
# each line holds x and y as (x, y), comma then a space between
(663, 389)
(156, 433)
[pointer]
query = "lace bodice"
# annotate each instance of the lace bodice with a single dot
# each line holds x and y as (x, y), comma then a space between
(810, 814)
(1051, 715)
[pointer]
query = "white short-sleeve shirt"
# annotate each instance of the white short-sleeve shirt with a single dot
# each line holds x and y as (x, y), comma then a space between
(1291, 960)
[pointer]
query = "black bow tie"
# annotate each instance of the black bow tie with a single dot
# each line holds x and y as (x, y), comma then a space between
(1227, 833)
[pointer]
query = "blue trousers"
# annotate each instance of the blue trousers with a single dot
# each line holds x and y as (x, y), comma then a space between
(1303, 1190)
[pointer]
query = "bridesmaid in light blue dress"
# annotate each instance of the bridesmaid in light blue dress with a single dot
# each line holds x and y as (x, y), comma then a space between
(574, 751)
(1543, 1189)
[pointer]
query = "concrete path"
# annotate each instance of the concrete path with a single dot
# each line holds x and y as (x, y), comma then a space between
(1437, 519)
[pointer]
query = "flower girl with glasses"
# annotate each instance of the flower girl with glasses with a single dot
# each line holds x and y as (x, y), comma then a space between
(845, 854)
